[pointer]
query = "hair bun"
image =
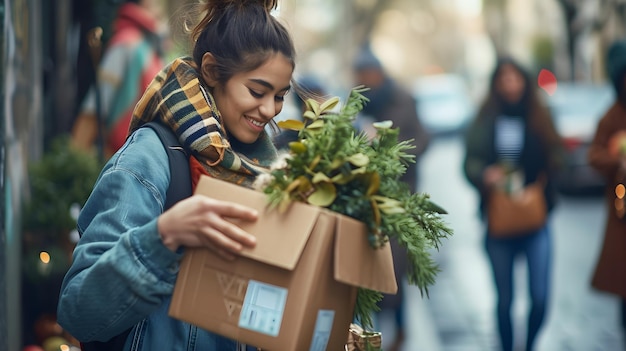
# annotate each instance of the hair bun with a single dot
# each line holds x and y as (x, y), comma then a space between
(222, 4)
(210, 11)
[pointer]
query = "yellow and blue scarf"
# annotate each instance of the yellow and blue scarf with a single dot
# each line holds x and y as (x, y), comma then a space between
(177, 98)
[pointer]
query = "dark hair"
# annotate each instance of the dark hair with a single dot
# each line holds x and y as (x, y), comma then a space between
(307, 87)
(527, 94)
(241, 35)
(538, 115)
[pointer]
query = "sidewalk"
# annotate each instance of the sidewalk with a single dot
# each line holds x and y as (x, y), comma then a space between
(422, 328)
(459, 314)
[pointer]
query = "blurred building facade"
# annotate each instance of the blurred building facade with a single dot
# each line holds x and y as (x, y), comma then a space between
(22, 135)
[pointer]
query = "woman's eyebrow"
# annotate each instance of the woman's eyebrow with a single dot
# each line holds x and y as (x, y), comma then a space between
(268, 84)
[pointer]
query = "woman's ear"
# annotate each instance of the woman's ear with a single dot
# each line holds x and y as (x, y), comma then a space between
(207, 70)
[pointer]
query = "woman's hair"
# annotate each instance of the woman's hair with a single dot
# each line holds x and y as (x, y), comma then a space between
(528, 94)
(241, 35)
(530, 104)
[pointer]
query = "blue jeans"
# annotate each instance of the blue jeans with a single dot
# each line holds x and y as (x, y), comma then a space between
(537, 248)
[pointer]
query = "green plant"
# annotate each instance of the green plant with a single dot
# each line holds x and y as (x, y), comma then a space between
(64, 176)
(332, 165)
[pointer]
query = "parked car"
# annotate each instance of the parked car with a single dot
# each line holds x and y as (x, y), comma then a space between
(576, 109)
(443, 102)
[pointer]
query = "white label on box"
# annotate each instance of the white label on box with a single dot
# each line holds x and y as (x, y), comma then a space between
(323, 327)
(263, 308)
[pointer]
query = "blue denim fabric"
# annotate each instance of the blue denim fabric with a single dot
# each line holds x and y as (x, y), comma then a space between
(122, 275)
(537, 248)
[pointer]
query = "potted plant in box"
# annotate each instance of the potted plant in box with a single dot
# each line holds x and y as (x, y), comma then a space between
(332, 165)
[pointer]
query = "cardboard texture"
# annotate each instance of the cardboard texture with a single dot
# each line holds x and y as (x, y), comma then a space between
(295, 290)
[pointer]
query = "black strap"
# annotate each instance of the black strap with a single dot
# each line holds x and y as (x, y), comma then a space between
(180, 174)
(179, 188)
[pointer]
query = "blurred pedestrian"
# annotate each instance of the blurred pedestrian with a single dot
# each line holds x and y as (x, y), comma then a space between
(308, 87)
(607, 154)
(513, 133)
(132, 57)
(388, 100)
(217, 103)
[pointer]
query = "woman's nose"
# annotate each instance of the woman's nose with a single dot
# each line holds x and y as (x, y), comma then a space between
(269, 108)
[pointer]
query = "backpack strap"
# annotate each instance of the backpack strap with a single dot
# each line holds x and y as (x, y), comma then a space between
(180, 174)
(179, 188)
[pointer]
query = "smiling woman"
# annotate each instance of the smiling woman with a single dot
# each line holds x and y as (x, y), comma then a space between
(216, 103)
(250, 100)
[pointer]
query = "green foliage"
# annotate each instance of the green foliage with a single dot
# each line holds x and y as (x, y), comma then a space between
(62, 177)
(332, 165)
(366, 303)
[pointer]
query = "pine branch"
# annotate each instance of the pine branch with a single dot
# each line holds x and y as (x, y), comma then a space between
(334, 166)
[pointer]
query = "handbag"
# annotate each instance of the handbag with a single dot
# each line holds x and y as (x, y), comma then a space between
(518, 213)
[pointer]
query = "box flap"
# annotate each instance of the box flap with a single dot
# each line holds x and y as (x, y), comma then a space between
(280, 237)
(357, 263)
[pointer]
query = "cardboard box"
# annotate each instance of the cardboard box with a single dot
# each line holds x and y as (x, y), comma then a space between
(295, 290)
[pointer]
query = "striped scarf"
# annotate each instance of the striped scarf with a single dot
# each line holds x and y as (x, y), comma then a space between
(177, 97)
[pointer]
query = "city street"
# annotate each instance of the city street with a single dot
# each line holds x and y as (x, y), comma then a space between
(458, 315)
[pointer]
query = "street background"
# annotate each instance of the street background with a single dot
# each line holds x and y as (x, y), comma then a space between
(458, 315)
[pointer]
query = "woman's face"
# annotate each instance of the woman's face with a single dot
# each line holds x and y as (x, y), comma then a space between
(249, 100)
(510, 84)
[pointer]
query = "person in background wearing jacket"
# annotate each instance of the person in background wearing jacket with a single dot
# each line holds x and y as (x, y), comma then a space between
(218, 103)
(513, 131)
(132, 57)
(390, 101)
(607, 154)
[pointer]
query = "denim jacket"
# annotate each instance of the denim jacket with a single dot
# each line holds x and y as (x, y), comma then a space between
(122, 275)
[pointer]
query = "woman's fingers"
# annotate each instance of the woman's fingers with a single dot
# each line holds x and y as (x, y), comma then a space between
(231, 231)
(227, 235)
(202, 221)
(221, 252)
(234, 210)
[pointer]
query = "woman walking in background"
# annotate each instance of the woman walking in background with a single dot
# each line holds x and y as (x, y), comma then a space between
(513, 138)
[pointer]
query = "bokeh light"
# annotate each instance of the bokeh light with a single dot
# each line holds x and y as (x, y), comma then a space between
(547, 81)
(44, 257)
(620, 191)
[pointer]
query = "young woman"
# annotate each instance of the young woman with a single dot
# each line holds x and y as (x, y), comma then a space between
(513, 132)
(218, 103)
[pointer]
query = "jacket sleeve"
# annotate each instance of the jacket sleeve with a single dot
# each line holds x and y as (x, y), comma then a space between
(403, 114)
(121, 271)
(475, 159)
(598, 155)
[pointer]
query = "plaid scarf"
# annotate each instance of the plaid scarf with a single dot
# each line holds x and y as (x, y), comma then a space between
(177, 97)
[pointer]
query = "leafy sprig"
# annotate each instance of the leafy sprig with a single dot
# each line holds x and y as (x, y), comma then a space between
(332, 165)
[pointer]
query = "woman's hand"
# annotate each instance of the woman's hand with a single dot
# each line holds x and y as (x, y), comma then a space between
(493, 175)
(200, 221)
